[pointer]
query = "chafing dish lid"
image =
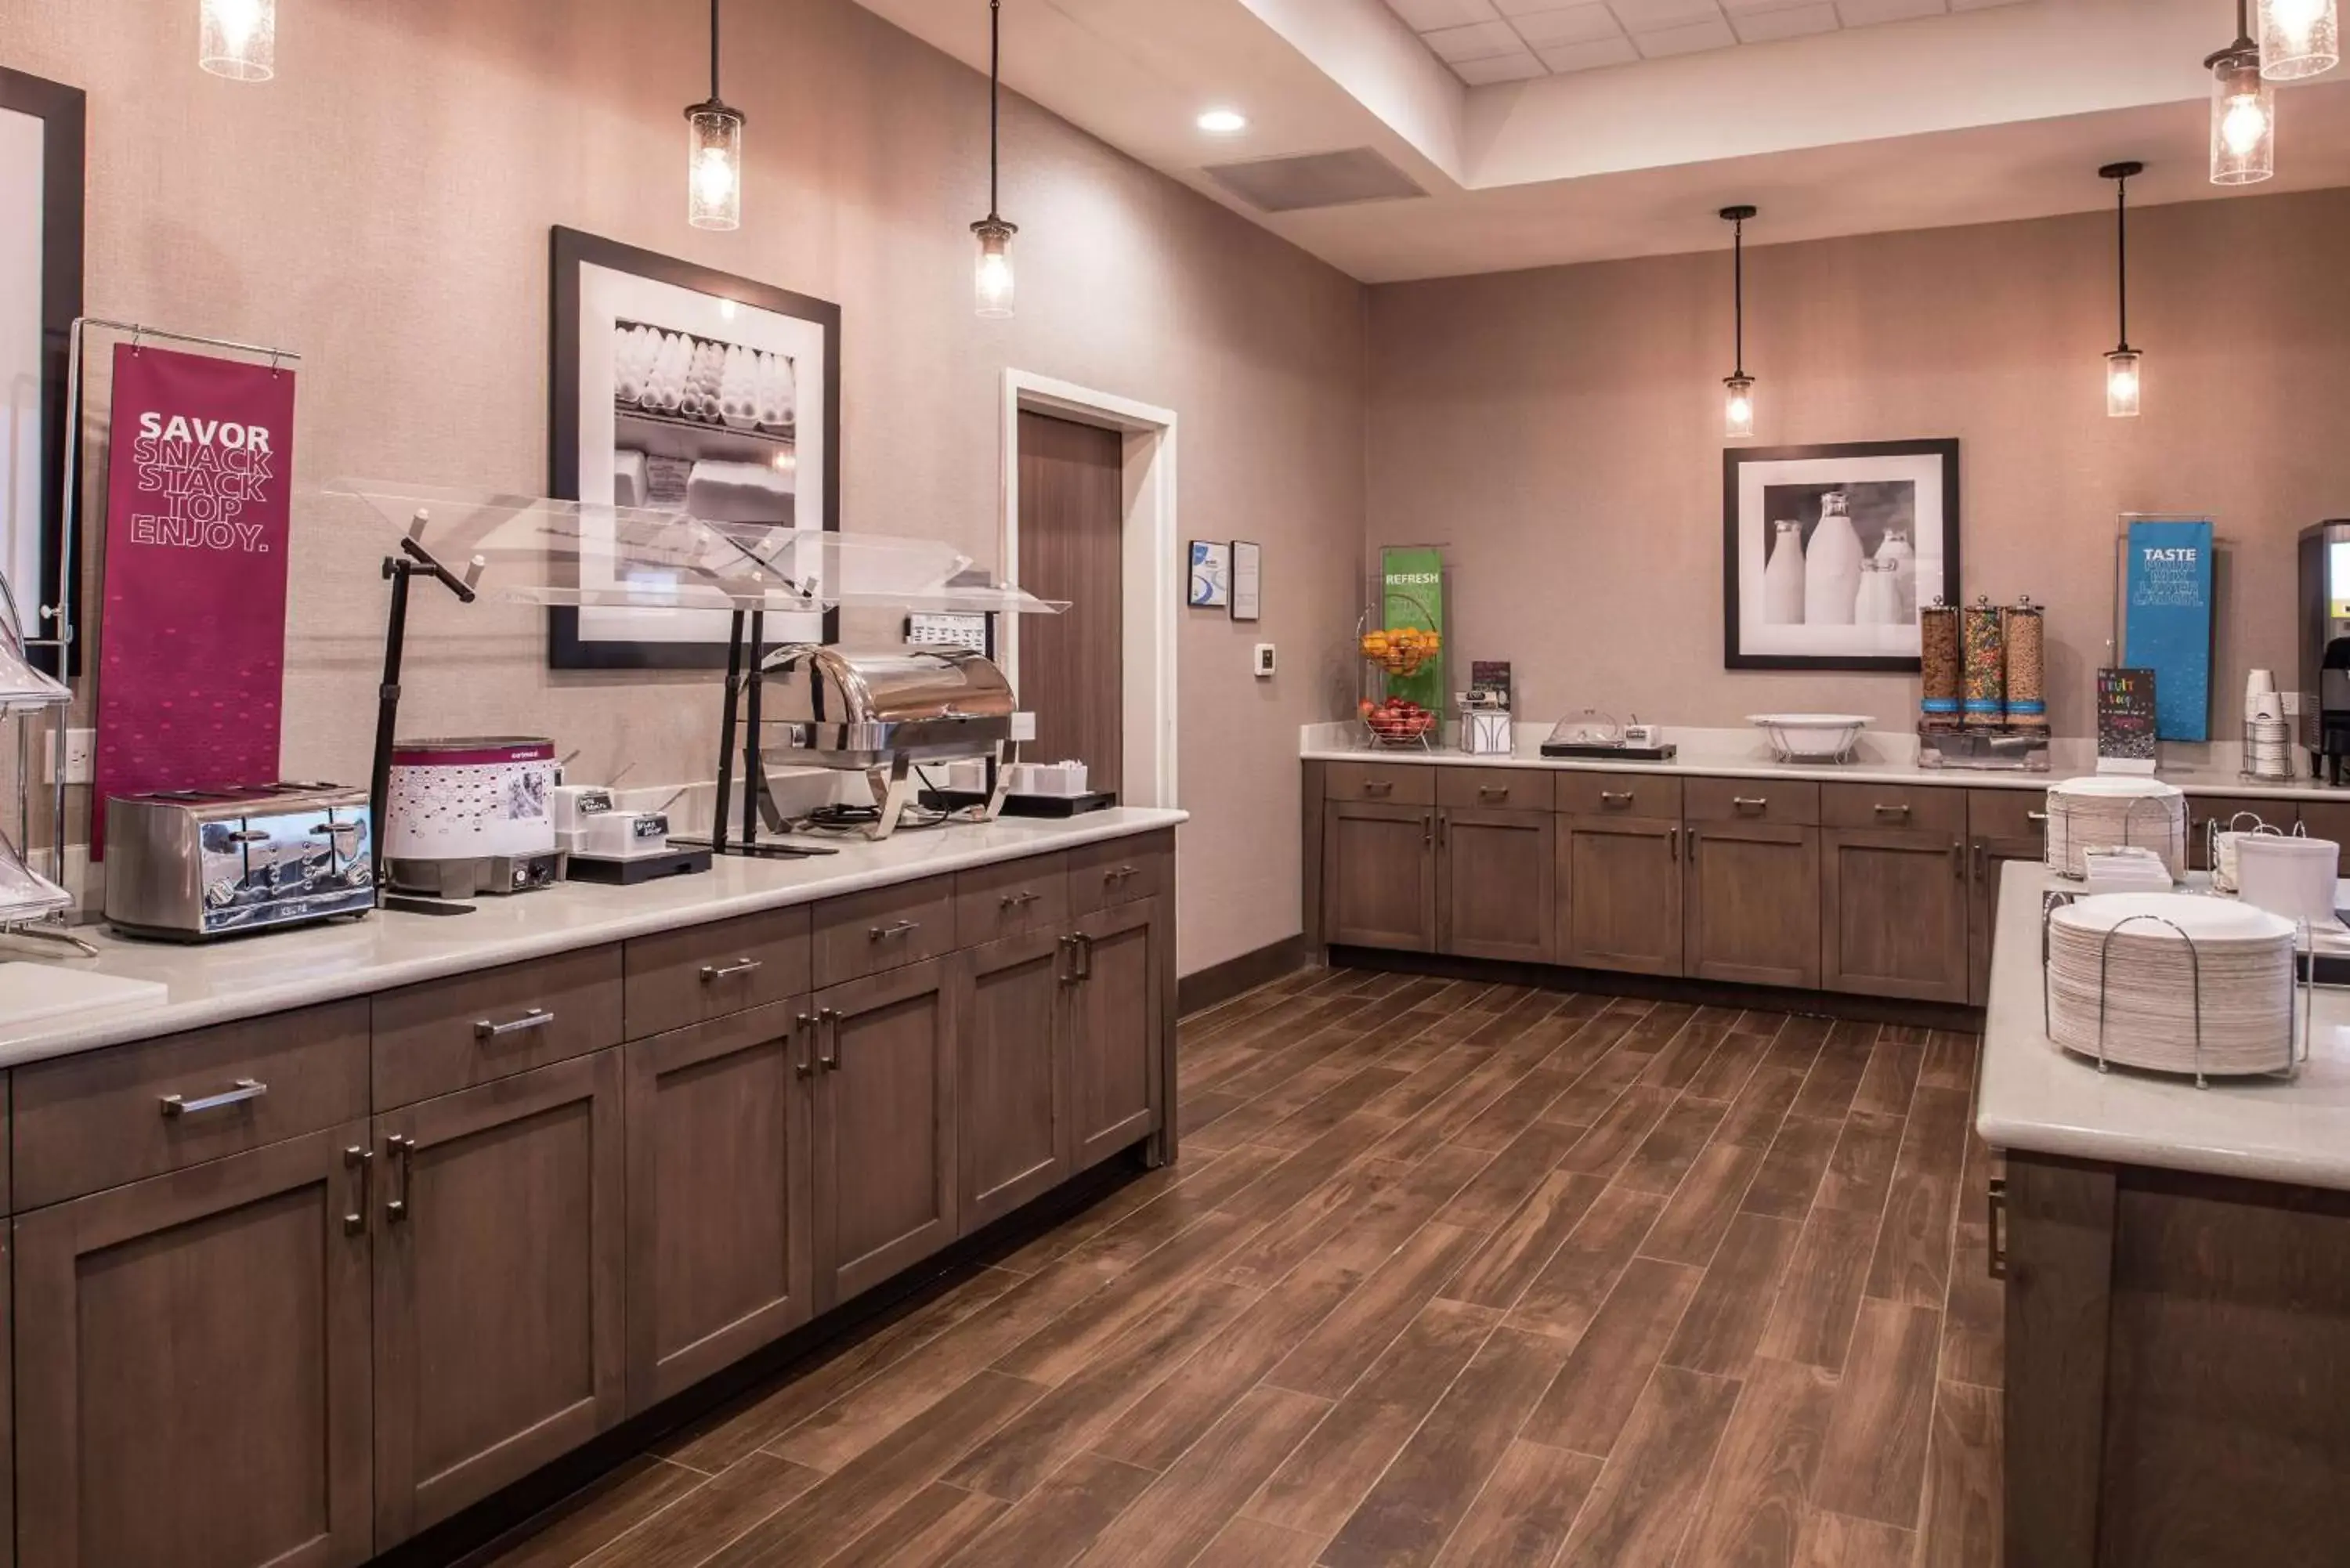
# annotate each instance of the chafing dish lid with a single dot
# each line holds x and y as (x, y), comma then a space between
(812, 683)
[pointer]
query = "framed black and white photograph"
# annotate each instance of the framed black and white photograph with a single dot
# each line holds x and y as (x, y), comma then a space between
(41, 170)
(681, 388)
(1828, 552)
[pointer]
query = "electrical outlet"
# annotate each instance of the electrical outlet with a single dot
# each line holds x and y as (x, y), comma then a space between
(81, 748)
(2292, 704)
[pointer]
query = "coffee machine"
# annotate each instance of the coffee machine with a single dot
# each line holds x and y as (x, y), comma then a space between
(2326, 647)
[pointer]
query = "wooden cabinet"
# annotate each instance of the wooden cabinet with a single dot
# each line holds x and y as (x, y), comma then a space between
(1378, 872)
(2323, 819)
(1012, 1080)
(721, 1255)
(886, 1163)
(2002, 824)
(1494, 879)
(1751, 904)
(1893, 912)
(673, 978)
(500, 1238)
(1117, 1031)
(450, 1034)
(1619, 893)
(2204, 810)
(193, 1365)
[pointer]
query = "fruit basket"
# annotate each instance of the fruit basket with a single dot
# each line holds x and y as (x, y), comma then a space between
(1399, 722)
(1402, 650)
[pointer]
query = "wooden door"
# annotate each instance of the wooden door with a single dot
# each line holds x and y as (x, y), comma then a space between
(1379, 872)
(886, 1164)
(1495, 871)
(721, 1256)
(1118, 1031)
(1893, 913)
(1619, 891)
(498, 1285)
(1012, 1080)
(192, 1359)
(1072, 523)
(1753, 905)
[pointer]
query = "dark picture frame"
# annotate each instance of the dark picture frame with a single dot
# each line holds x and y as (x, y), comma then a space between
(1937, 464)
(573, 251)
(63, 112)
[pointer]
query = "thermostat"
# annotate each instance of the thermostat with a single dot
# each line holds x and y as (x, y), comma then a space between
(1264, 661)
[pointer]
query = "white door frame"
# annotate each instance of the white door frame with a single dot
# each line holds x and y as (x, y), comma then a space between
(1149, 558)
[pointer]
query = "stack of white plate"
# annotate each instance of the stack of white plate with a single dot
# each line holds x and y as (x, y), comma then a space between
(2160, 960)
(2108, 810)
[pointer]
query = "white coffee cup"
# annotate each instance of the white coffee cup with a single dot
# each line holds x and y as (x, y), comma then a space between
(2290, 876)
(2259, 682)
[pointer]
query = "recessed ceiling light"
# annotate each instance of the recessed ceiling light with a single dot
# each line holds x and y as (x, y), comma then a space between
(1224, 121)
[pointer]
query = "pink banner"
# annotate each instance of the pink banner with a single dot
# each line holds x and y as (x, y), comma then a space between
(191, 641)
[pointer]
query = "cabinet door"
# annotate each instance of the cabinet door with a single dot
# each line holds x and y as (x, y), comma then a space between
(1118, 1032)
(1378, 869)
(2203, 811)
(1754, 903)
(721, 1255)
(498, 1280)
(1014, 1002)
(1893, 913)
(1494, 886)
(1985, 859)
(2323, 819)
(192, 1371)
(885, 1127)
(1619, 893)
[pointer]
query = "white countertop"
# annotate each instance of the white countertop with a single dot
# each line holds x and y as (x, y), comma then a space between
(1883, 758)
(2037, 1096)
(243, 977)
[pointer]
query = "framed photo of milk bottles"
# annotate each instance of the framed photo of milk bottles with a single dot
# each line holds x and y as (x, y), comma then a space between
(1829, 551)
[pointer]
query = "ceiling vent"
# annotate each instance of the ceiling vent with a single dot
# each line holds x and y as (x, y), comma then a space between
(1316, 179)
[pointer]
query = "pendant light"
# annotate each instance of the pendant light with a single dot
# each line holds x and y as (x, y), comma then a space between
(1738, 399)
(714, 149)
(992, 282)
(2124, 370)
(238, 39)
(2299, 38)
(2243, 110)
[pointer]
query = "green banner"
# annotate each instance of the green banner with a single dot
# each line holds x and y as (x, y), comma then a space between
(1412, 579)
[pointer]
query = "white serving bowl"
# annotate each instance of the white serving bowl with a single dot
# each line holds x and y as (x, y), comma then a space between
(1810, 737)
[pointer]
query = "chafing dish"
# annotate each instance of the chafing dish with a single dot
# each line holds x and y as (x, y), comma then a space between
(883, 714)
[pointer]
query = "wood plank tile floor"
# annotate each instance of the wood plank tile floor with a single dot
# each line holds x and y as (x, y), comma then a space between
(1448, 1274)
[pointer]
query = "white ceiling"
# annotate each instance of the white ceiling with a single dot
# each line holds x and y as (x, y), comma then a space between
(1489, 41)
(1979, 114)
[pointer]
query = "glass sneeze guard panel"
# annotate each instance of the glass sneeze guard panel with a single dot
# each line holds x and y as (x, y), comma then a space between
(542, 550)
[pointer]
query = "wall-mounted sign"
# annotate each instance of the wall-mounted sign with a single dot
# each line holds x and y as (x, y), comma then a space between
(2167, 582)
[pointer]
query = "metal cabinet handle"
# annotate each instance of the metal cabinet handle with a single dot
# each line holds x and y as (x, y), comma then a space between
(1959, 859)
(711, 972)
(401, 1149)
(1673, 843)
(1443, 827)
(803, 1045)
(1615, 797)
(1428, 828)
(537, 1018)
(1890, 810)
(1981, 859)
(1751, 801)
(876, 933)
(1995, 1212)
(357, 1160)
(1492, 792)
(2039, 816)
(1693, 836)
(1379, 787)
(247, 1089)
(1085, 955)
(1019, 901)
(828, 1025)
(1118, 874)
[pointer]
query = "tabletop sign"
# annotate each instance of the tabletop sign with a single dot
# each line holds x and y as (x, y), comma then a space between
(2125, 721)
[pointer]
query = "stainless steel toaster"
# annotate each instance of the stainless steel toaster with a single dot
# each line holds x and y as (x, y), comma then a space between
(194, 865)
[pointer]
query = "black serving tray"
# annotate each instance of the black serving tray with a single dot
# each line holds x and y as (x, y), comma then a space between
(641, 869)
(1022, 804)
(1595, 751)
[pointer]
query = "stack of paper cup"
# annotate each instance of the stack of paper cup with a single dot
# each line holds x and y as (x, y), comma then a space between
(2268, 738)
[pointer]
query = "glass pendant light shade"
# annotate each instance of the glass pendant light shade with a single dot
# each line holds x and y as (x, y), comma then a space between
(714, 148)
(1738, 407)
(238, 39)
(2299, 38)
(2123, 384)
(992, 282)
(2243, 120)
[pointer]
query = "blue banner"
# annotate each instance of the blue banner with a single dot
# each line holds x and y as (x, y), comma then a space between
(2167, 622)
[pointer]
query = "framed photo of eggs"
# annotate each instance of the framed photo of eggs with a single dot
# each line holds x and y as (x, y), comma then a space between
(1828, 553)
(681, 389)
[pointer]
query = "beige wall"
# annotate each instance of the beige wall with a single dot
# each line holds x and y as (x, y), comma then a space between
(1561, 431)
(383, 207)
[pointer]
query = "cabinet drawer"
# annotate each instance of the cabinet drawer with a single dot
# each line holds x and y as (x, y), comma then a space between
(993, 902)
(1389, 784)
(451, 1035)
(126, 1112)
(1926, 808)
(1121, 871)
(1617, 794)
(699, 972)
(1493, 789)
(2007, 812)
(865, 933)
(1792, 802)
